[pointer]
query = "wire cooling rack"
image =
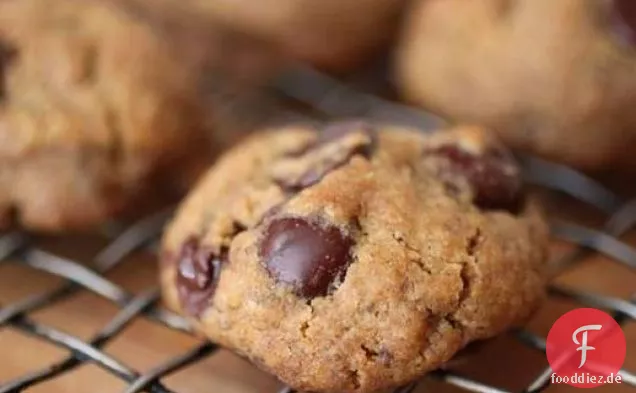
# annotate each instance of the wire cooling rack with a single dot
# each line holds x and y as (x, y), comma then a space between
(142, 237)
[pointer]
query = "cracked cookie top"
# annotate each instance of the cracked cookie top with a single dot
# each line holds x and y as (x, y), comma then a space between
(356, 257)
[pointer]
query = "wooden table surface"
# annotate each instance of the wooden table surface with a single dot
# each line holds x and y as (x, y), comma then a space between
(503, 362)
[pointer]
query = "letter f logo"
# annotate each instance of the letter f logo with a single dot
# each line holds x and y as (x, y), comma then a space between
(583, 344)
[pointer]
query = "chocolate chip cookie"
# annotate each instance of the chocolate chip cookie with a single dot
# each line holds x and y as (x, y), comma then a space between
(356, 258)
(332, 34)
(553, 77)
(95, 100)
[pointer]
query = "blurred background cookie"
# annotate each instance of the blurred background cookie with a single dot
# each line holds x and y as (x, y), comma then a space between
(336, 35)
(553, 77)
(99, 102)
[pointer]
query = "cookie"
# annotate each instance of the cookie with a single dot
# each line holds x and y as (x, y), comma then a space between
(97, 103)
(358, 258)
(332, 34)
(556, 78)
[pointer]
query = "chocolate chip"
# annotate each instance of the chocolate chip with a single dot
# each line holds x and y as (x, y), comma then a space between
(493, 176)
(197, 275)
(314, 175)
(331, 134)
(310, 257)
(625, 21)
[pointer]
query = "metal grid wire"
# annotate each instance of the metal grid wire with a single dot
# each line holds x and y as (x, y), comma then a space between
(327, 96)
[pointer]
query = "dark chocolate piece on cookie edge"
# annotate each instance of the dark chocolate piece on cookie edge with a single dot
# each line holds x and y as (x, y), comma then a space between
(198, 272)
(493, 175)
(332, 134)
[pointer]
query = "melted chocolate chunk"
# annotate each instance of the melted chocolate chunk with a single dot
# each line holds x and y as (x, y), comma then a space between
(310, 257)
(625, 21)
(331, 134)
(197, 275)
(314, 175)
(493, 177)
